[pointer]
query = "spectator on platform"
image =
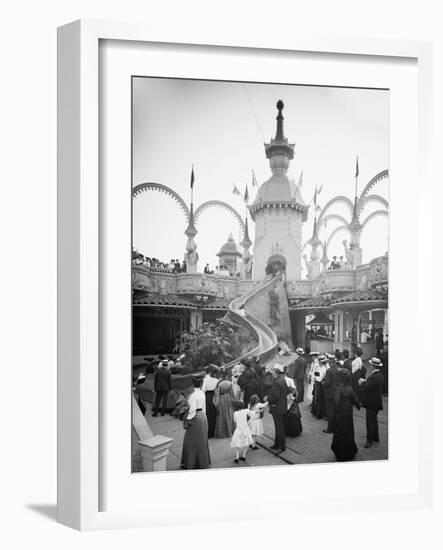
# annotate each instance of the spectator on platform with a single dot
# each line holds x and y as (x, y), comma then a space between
(364, 336)
(195, 452)
(242, 437)
(255, 423)
(184, 267)
(206, 269)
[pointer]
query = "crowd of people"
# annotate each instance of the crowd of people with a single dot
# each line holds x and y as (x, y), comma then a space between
(231, 403)
(221, 270)
(173, 266)
(337, 384)
(338, 263)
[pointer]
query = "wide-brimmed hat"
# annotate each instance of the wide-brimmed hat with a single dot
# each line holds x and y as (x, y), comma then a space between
(314, 353)
(165, 362)
(278, 368)
(300, 351)
(375, 361)
(322, 359)
(329, 356)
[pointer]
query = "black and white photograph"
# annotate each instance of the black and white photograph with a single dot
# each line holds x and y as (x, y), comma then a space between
(260, 261)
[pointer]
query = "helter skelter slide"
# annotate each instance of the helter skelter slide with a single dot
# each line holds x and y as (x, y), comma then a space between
(239, 313)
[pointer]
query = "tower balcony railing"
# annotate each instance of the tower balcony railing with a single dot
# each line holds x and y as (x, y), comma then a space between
(162, 281)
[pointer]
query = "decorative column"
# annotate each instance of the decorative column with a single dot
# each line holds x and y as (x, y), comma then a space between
(324, 259)
(314, 263)
(246, 256)
(191, 255)
(154, 452)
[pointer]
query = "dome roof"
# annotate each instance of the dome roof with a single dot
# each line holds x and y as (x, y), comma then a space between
(229, 248)
(278, 190)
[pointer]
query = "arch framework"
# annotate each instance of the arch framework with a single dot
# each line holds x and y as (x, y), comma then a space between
(153, 186)
(220, 204)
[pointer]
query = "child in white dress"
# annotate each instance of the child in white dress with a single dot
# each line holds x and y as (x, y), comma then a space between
(242, 436)
(255, 423)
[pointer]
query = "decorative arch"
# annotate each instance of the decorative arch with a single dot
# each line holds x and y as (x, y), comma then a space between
(373, 215)
(336, 217)
(377, 178)
(338, 199)
(372, 198)
(153, 186)
(220, 204)
(332, 235)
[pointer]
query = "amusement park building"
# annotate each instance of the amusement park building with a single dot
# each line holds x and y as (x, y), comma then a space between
(349, 303)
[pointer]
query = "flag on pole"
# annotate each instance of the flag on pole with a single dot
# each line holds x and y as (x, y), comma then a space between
(236, 190)
(254, 181)
(356, 168)
(316, 194)
(192, 177)
(300, 180)
(246, 197)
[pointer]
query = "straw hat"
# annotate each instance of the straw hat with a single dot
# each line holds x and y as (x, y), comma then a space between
(375, 361)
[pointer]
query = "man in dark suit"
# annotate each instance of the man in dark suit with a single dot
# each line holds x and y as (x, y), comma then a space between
(162, 387)
(298, 373)
(330, 384)
(278, 406)
(372, 389)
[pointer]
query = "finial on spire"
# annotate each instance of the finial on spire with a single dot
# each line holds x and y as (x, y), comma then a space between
(280, 136)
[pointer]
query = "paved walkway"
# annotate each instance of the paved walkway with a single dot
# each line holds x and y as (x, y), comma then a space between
(312, 446)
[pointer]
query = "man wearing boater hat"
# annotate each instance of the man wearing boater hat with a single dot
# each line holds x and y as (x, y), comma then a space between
(372, 389)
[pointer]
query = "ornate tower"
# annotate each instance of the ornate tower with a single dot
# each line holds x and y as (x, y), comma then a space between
(278, 212)
(246, 256)
(228, 255)
(191, 255)
(314, 263)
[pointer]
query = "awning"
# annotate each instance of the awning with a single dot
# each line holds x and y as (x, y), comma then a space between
(320, 320)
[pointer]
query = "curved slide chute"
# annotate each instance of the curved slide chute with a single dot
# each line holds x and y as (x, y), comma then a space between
(267, 342)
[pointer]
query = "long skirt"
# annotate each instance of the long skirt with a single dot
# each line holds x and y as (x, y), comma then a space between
(224, 425)
(211, 413)
(343, 443)
(292, 421)
(195, 452)
(318, 407)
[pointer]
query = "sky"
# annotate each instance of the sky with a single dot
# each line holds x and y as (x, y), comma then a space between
(221, 127)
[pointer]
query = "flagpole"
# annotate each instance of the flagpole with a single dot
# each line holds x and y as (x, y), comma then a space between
(356, 177)
(192, 186)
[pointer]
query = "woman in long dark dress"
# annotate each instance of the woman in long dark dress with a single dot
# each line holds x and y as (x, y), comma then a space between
(343, 443)
(223, 397)
(195, 452)
(209, 384)
(292, 419)
(249, 384)
(318, 406)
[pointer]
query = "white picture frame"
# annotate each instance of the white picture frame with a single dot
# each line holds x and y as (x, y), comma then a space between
(79, 412)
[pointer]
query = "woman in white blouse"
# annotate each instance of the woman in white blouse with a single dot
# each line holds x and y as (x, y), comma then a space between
(195, 452)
